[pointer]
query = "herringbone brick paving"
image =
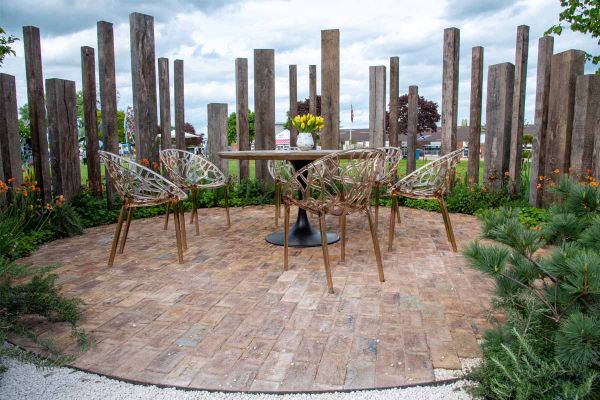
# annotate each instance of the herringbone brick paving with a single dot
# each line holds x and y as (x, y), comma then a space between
(229, 318)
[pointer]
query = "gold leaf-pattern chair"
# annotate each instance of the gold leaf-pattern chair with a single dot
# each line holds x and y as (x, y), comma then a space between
(139, 187)
(191, 172)
(431, 181)
(280, 171)
(338, 184)
(388, 175)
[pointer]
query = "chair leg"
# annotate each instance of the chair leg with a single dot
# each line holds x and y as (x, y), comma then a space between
(376, 246)
(126, 231)
(392, 225)
(113, 248)
(195, 210)
(226, 188)
(324, 246)
(182, 225)
(286, 231)
(167, 216)
(447, 223)
(277, 203)
(193, 206)
(398, 212)
(176, 217)
(343, 237)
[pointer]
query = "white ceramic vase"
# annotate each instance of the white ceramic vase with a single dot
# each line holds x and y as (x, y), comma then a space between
(305, 141)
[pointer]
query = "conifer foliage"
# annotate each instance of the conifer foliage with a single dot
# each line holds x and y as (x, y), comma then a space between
(548, 288)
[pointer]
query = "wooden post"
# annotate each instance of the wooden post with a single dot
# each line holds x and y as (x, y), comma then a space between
(586, 125)
(293, 103)
(108, 96)
(516, 135)
(264, 107)
(312, 89)
(10, 143)
(565, 68)
(90, 118)
(500, 87)
(143, 74)
(217, 134)
(394, 130)
(330, 88)
(412, 128)
(63, 134)
(179, 105)
(241, 113)
(164, 96)
(475, 114)
(377, 106)
(37, 110)
(450, 89)
(538, 150)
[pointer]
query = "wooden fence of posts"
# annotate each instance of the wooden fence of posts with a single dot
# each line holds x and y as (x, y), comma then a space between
(567, 135)
(293, 103)
(90, 119)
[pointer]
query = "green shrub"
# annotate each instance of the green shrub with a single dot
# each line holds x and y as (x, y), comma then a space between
(549, 346)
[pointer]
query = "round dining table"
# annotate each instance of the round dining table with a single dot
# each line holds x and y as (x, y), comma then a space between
(301, 234)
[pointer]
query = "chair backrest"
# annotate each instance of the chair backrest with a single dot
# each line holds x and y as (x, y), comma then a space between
(138, 184)
(281, 170)
(340, 182)
(188, 169)
(393, 156)
(431, 180)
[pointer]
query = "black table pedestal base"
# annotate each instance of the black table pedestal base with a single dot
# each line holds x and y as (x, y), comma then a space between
(301, 234)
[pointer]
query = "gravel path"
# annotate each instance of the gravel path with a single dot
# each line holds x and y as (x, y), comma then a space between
(26, 381)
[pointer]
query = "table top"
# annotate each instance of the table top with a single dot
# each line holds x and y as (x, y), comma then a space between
(276, 154)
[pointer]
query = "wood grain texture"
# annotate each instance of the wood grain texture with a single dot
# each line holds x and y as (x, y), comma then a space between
(264, 107)
(586, 125)
(475, 114)
(164, 97)
(241, 111)
(412, 128)
(293, 102)
(330, 88)
(178, 79)
(312, 89)
(37, 110)
(377, 106)
(217, 134)
(63, 134)
(394, 126)
(10, 145)
(450, 89)
(90, 119)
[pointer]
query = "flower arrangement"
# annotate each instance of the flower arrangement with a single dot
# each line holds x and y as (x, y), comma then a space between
(308, 123)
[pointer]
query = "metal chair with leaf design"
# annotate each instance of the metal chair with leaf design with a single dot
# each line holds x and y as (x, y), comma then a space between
(191, 172)
(338, 184)
(280, 171)
(388, 175)
(431, 181)
(140, 187)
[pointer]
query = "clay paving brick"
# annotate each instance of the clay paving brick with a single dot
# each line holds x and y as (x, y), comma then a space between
(310, 349)
(275, 366)
(257, 351)
(300, 376)
(332, 369)
(360, 374)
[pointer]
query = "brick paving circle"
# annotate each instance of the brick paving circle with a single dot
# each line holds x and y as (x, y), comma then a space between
(229, 318)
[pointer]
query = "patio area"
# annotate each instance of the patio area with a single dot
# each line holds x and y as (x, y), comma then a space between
(229, 318)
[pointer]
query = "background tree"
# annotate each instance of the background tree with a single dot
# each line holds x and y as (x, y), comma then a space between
(303, 108)
(582, 16)
(232, 130)
(428, 115)
(5, 45)
(24, 130)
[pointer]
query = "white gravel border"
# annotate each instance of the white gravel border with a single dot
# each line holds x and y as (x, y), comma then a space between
(26, 381)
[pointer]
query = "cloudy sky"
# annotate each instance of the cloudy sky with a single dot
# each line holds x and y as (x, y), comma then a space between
(209, 34)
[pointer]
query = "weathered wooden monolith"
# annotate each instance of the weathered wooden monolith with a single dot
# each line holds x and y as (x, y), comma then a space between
(90, 119)
(450, 89)
(330, 88)
(538, 147)
(63, 134)
(179, 104)
(412, 128)
(37, 109)
(264, 107)
(516, 136)
(394, 127)
(164, 96)
(565, 69)
(10, 143)
(475, 114)
(586, 125)
(241, 113)
(143, 74)
(377, 106)
(293, 102)
(312, 89)
(217, 134)
(108, 95)
(500, 87)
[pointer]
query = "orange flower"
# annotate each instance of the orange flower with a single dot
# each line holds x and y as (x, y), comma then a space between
(589, 171)
(556, 171)
(145, 162)
(506, 173)
(25, 193)
(541, 178)
(10, 180)
(484, 189)
(594, 184)
(491, 177)
(48, 206)
(539, 186)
